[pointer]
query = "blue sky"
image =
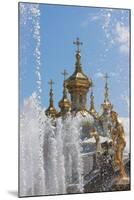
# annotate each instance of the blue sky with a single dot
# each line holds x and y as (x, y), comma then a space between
(105, 49)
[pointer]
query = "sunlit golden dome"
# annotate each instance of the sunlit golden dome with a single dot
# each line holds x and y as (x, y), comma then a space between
(78, 83)
(78, 80)
(64, 104)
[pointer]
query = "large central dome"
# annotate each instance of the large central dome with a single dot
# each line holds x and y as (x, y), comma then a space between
(78, 84)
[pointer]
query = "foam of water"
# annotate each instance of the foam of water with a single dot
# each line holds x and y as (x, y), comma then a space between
(59, 164)
(31, 167)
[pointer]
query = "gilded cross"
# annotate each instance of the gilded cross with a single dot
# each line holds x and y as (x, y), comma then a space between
(51, 83)
(106, 77)
(64, 74)
(78, 43)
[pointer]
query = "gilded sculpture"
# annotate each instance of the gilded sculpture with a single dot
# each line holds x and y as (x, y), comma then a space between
(119, 143)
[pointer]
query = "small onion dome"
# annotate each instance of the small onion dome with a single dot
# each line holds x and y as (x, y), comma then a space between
(64, 105)
(92, 110)
(51, 112)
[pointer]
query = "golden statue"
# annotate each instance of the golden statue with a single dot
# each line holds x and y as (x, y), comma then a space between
(119, 143)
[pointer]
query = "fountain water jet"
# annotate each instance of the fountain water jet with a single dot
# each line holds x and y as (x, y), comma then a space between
(45, 149)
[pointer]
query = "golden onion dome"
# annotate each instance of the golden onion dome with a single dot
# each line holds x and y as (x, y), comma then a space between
(78, 83)
(51, 111)
(92, 109)
(64, 104)
(78, 80)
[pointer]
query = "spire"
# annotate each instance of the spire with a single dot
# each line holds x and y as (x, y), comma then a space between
(78, 84)
(64, 103)
(107, 104)
(51, 92)
(92, 110)
(64, 84)
(51, 111)
(78, 56)
(106, 95)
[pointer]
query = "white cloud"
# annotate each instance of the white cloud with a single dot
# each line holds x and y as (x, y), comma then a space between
(94, 18)
(115, 30)
(122, 37)
(124, 48)
(102, 16)
(113, 74)
(90, 18)
(99, 75)
(125, 98)
(122, 33)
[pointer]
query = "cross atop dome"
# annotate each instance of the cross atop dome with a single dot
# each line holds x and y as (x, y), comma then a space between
(64, 74)
(106, 76)
(51, 83)
(64, 84)
(78, 43)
